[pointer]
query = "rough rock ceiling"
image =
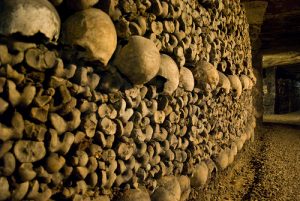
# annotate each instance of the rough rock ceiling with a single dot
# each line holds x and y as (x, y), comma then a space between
(281, 27)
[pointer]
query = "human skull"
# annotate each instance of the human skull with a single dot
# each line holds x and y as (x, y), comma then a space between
(138, 60)
(245, 80)
(186, 79)
(28, 18)
(205, 72)
(168, 69)
(236, 84)
(94, 31)
(224, 82)
(200, 175)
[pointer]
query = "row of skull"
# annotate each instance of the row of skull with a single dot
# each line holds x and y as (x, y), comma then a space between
(93, 30)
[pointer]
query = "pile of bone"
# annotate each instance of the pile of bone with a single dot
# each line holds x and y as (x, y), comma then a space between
(72, 130)
(190, 30)
(62, 135)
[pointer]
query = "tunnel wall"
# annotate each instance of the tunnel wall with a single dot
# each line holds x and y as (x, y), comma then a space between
(71, 129)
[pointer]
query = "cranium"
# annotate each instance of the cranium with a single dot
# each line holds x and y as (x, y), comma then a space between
(205, 72)
(245, 80)
(139, 60)
(186, 79)
(224, 82)
(94, 31)
(236, 84)
(28, 18)
(168, 69)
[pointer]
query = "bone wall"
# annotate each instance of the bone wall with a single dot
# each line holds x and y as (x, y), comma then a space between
(72, 129)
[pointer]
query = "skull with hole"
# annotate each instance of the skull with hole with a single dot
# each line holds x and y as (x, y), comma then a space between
(245, 80)
(168, 69)
(186, 79)
(236, 85)
(92, 30)
(205, 73)
(224, 82)
(28, 18)
(138, 60)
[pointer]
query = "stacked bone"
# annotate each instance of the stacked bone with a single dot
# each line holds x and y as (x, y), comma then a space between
(69, 130)
(189, 31)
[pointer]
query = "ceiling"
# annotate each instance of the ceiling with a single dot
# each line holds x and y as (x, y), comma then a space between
(281, 22)
(275, 31)
(281, 27)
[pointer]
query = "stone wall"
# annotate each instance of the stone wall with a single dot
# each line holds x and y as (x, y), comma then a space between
(269, 90)
(161, 90)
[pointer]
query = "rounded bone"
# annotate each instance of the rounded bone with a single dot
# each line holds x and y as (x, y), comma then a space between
(29, 151)
(231, 155)
(222, 160)
(14, 75)
(4, 189)
(168, 189)
(107, 126)
(94, 31)
(20, 191)
(139, 194)
(56, 145)
(9, 164)
(245, 80)
(5, 147)
(185, 187)
(168, 69)
(16, 131)
(186, 79)
(205, 73)
(224, 82)
(139, 60)
(236, 85)
(26, 172)
(39, 59)
(17, 98)
(54, 162)
(29, 17)
(125, 151)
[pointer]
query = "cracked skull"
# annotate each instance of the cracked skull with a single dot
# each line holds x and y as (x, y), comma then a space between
(92, 30)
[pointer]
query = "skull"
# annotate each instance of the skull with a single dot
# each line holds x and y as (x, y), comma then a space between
(224, 82)
(205, 72)
(245, 80)
(28, 18)
(236, 84)
(139, 60)
(168, 69)
(186, 79)
(94, 31)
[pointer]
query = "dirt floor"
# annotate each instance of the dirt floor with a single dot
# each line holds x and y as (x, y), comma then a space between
(268, 169)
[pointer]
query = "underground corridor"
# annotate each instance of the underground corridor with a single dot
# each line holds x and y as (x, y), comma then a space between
(150, 100)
